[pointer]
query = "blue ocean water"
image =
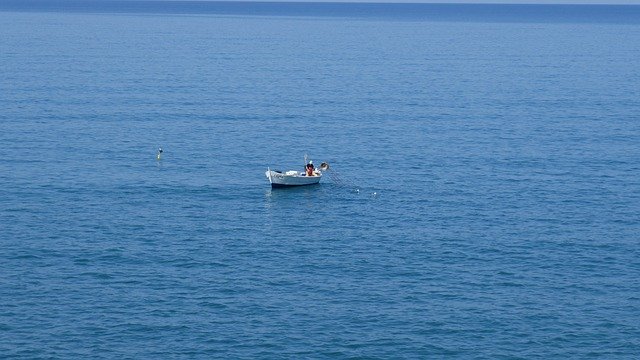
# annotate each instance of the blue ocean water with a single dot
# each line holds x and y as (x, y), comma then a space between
(487, 204)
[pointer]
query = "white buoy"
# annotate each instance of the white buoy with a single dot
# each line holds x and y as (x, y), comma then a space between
(159, 155)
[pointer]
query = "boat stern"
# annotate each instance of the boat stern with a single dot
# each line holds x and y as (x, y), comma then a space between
(268, 175)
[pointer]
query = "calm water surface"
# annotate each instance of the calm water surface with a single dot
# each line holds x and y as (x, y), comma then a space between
(487, 205)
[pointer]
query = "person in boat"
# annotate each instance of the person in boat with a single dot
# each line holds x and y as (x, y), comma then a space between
(310, 170)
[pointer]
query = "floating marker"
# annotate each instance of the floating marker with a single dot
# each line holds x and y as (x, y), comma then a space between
(159, 154)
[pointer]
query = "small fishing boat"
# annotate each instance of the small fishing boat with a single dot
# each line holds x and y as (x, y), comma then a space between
(292, 178)
(296, 178)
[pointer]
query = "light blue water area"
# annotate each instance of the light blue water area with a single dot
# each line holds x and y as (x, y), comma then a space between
(497, 165)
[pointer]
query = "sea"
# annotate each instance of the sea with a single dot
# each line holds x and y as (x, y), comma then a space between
(482, 199)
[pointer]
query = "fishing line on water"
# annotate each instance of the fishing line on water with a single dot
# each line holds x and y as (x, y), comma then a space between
(340, 181)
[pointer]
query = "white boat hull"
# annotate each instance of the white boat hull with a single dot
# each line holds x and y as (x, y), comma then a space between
(291, 178)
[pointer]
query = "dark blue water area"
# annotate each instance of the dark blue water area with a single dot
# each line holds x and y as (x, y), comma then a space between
(483, 199)
(406, 11)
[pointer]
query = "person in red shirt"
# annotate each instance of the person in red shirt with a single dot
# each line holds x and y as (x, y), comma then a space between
(310, 169)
